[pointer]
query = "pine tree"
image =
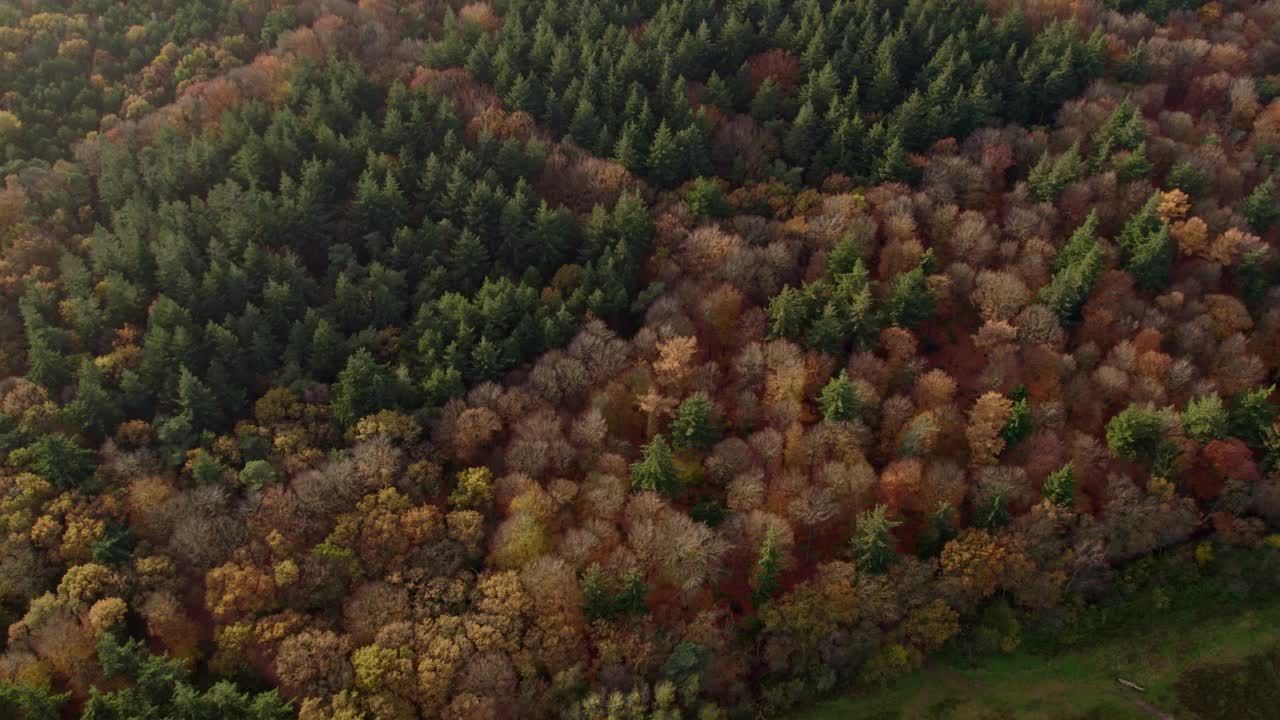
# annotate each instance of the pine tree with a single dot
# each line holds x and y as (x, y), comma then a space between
(828, 332)
(851, 295)
(802, 137)
(31, 703)
(551, 234)
(939, 529)
(844, 256)
(553, 110)
(839, 400)
(46, 366)
(873, 542)
(366, 208)
(630, 601)
(1038, 179)
(1251, 414)
(597, 601)
(1255, 274)
(480, 64)
(656, 471)
(815, 52)
(884, 85)
(706, 200)
(1050, 177)
(1151, 262)
(198, 403)
(250, 163)
(1262, 208)
(1124, 130)
(1060, 83)
(767, 103)
(694, 149)
(584, 127)
(1069, 288)
(768, 569)
(1082, 241)
(327, 351)
(1060, 486)
(978, 109)
(823, 87)
(1145, 240)
(1134, 68)
(1135, 433)
(440, 384)
(93, 410)
(718, 93)
(513, 250)
(364, 387)
(1018, 426)
(664, 157)
(693, 427)
(892, 165)
(991, 506)
(156, 686)
(487, 360)
(788, 312)
(56, 458)
(846, 148)
(469, 261)
(206, 469)
(1076, 268)
(457, 191)
(1187, 177)
(482, 209)
(910, 301)
(1134, 166)
(676, 100)
(629, 149)
(519, 96)
(915, 122)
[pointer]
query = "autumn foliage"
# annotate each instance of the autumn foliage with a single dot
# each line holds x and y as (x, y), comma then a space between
(366, 357)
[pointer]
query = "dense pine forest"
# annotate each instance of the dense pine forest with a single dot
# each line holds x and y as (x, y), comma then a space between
(594, 360)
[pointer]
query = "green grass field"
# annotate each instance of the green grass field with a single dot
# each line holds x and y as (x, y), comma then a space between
(1083, 684)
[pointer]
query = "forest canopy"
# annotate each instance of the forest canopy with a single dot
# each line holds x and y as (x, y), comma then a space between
(667, 358)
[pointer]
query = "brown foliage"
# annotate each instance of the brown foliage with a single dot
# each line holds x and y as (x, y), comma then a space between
(675, 361)
(777, 64)
(899, 256)
(934, 389)
(481, 15)
(372, 606)
(469, 97)
(1000, 294)
(900, 485)
(1266, 127)
(1231, 245)
(233, 591)
(975, 562)
(987, 418)
(314, 663)
(500, 124)
(1174, 204)
(1228, 314)
(473, 432)
(1191, 235)
(168, 622)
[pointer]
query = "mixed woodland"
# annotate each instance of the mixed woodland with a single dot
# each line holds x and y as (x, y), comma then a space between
(593, 359)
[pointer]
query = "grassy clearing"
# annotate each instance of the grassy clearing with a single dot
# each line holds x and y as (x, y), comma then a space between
(1079, 684)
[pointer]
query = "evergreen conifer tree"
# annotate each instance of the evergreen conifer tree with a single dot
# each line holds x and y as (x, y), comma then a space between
(656, 470)
(873, 542)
